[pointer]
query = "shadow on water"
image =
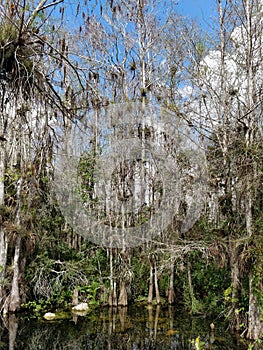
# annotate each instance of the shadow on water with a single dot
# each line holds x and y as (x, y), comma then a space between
(135, 328)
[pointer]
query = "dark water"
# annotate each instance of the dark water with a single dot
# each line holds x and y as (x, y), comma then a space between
(135, 328)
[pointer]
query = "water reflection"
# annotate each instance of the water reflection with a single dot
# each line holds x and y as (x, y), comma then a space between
(135, 328)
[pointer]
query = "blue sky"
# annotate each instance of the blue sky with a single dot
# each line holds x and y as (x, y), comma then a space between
(201, 10)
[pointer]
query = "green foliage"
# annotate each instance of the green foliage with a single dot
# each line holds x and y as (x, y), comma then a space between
(191, 303)
(20, 52)
(56, 269)
(90, 293)
(37, 308)
(209, 282)
(8, 32)
(140, 267)
(86, 167)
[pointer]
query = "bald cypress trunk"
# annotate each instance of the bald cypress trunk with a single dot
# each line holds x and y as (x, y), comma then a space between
(123, 297)
(171, 293)
(255, 328)
(3, 236)
(113, 287)
(156, 284)
(150, 291)
(15, 298)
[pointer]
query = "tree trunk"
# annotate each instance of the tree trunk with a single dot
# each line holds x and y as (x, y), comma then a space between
(171, 293)
(3, 238)
(255, 327)
(75, 298)
(235, 287)
(3, 257)
(12, 330)
(157, 292)
(15, 300)
(150, 292)
(123, 297)
(113, 293)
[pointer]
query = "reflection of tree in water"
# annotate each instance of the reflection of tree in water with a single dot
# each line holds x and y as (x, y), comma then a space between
(53, 336)
(151, 328)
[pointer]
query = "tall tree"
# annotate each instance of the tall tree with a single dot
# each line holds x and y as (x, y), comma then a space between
(122, 45)
(229, 111)
(34, 68)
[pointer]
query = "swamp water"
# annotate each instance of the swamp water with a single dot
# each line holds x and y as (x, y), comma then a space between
(135, 328)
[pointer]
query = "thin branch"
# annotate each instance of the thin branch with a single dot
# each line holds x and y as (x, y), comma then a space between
(63, 58)
(32, 17)
(40, 7)
(52, 4)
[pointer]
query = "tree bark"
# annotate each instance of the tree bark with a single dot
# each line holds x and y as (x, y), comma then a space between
(123, 297)
(171, 293)
(75, 298)
(255, 327)
(157, 292)
(15, 300)
(12, 328)
(113, 293)
(150, 292)
(235, 287)
(3, 257)
(3, 237)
